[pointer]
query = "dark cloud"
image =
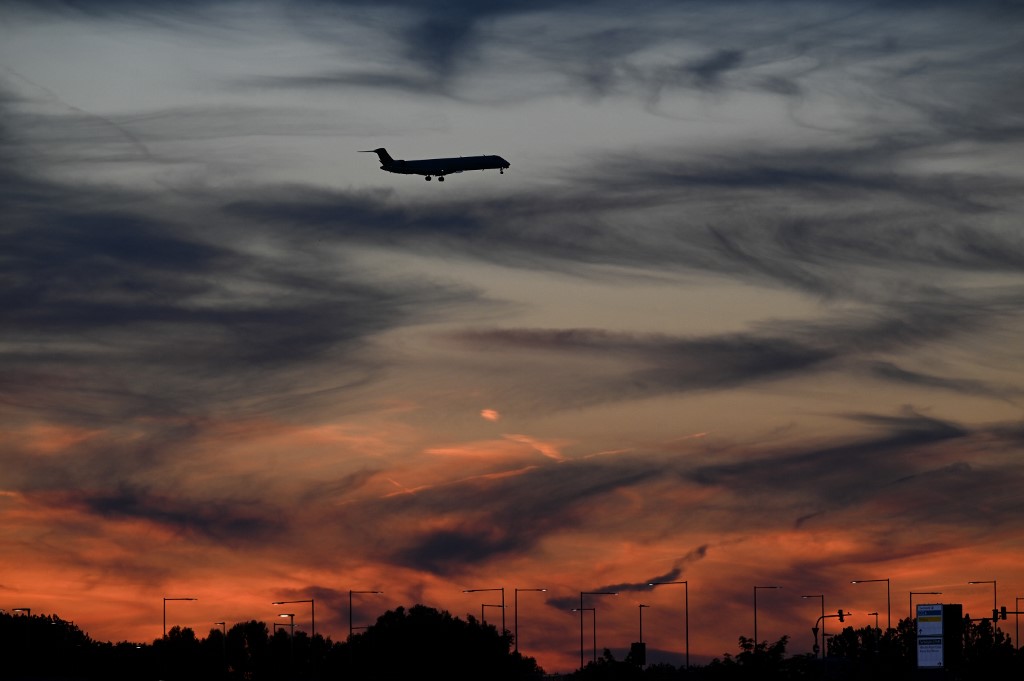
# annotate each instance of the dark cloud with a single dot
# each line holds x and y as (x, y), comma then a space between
(963, 386)
(907, 464)
(708, 72)
(158, 291)
(512, 514)
(774, 351)
(234, 523)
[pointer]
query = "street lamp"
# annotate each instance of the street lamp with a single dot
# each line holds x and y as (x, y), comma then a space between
(591, 593)
(593, 612)
(686, 611)
(994, 606)
(876, 634)
(822, 597)
(920, 593)
(312, 609)
(28, 625)
(888, 600)
(224, 644)
(515, 613)
(165, 609)
(350, 592)
(502, 590)
(755, 609)
(291, 638)
(1016, 615)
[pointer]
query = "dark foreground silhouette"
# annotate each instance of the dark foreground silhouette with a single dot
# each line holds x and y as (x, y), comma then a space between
(421, 642)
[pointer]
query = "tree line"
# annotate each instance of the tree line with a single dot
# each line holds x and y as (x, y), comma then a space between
(421, 642)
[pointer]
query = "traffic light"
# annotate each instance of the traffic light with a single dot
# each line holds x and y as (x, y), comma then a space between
(840, 613)
(1002, 613)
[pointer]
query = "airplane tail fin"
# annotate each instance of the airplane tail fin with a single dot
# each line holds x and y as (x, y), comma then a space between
(382, 154)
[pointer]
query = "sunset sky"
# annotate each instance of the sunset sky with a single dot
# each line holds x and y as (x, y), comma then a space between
(746, 310)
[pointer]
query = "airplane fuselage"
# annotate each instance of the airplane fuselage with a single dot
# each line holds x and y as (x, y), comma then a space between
(439, 166)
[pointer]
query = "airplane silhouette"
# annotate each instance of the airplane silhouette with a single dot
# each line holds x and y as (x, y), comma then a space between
(437, 166)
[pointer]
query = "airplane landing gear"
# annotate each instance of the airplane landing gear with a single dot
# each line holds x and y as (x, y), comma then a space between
(501, 171)
(427, 178)
(440, 178)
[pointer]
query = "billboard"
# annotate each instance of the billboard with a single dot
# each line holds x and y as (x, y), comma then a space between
(939, 635)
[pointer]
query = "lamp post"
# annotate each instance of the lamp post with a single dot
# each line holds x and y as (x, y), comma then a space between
(165, 609)
(28, 626)
(755, 609)
(502, 590)
(312, 611)
(876, 634)
(888, 600)
(994, 606)
(686, 611)
(822, 597)
(1016, 615)
(515, 614)
(591, 593)
(224, 644)
(920, 593)
(642, 606)
(291, 638)
(350, 592)
(593, 612)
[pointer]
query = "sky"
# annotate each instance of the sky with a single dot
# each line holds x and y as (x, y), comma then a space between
(745, 311)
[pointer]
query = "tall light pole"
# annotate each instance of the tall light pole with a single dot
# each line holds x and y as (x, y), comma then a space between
(920, 593)
(822, 597)
(994, 606)
(165, 609)
(755, 609)
(686, 611)
(888, 599)
(350, 592)
(515, 613)
(642, 606)
(1016, 608)
(224, 644)
(28, 626)
(502, 590)
(593, 612)
(291, 638)
(876, 618)
(312, 609)
(591, 593)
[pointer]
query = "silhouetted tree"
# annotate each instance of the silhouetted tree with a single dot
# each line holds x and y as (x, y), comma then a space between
(987, 650)
(179, 654)
(754, 661)
(422, 641)
(248, 649)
